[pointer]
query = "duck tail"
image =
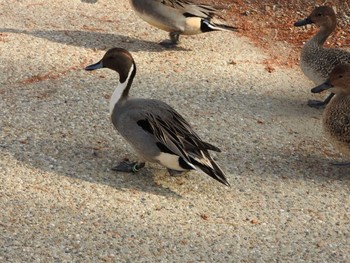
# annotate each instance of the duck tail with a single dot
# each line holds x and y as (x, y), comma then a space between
(207, 26)
(210, 167)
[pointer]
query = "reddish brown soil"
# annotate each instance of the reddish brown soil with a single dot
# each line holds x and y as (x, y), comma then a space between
(269, 24)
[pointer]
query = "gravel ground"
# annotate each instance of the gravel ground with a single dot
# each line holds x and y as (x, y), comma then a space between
(60, 202)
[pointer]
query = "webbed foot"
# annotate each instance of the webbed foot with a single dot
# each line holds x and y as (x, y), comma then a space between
(128, 167)
(172, 42)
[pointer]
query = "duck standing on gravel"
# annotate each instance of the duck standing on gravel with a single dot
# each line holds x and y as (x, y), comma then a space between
(336, 116)
(317, 62)
(179, 17)
(155, 130)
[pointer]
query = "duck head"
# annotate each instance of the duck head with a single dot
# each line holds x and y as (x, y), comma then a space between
(117, 59)
(322, 16)
(338, 81)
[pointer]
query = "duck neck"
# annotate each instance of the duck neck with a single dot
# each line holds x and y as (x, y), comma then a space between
(121, 93)
(320, 38)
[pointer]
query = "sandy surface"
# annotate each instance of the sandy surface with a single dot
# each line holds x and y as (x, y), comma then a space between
(60, 202)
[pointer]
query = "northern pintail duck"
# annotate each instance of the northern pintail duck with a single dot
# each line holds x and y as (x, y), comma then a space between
(156, 131)
(316, 61)
(336, 116)
(179, 17)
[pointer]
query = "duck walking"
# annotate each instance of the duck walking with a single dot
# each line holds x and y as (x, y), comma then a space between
(336, 116)
(179, 17)
(156, 131)
(317, 62)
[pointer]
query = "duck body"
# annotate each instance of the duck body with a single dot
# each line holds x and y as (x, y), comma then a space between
(156, 131)
(316, 61)
(160, 15)
(137, 115)
(336, 123)
(178, 17)
(336, 116)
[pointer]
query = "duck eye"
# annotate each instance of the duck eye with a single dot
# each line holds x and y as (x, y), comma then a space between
(318, 14)
(340, 76)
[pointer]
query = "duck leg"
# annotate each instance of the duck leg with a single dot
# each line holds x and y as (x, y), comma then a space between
(320, 104)
(172, 42)
(128, 167)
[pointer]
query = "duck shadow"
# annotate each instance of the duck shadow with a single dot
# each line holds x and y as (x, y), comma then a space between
(94, 40)
(283, 163)
(83, 162)
(302, 158)
(317, 167)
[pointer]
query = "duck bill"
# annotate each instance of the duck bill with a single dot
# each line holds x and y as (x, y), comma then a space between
(304, 22)
(322, 87)
(97, 65)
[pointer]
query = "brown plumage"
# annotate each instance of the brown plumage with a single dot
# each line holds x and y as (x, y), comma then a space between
(316, 61)
(336, 116)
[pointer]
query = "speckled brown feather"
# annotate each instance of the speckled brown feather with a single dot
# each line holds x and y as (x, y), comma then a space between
(316, 61)
(336, 117)
(336, 123)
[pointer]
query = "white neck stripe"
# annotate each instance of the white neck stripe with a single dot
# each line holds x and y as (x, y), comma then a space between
(117, 94)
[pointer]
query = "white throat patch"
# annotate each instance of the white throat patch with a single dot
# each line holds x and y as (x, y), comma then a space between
(119, 91)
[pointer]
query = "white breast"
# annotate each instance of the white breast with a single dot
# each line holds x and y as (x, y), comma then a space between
(169, 161)
(119, 91)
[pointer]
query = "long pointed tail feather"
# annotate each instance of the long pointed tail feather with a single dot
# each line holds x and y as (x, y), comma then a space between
(211, 169)
(225, 27)
(207, 26)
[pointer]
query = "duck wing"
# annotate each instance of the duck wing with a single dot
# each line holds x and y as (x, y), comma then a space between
(177, 137)
(189, 8)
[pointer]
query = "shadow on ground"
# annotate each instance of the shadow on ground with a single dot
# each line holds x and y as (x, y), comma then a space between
(93, 40)
(82, 160)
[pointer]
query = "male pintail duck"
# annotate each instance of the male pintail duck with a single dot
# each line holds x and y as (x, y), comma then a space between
(179, 17)
(156, 131)
(336, 116)
(316, 61)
